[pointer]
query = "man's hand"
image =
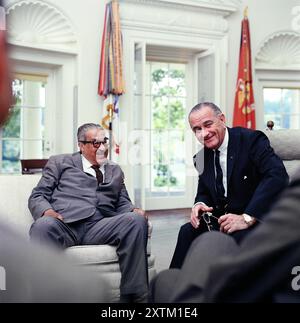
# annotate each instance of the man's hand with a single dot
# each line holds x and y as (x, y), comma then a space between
(140, 212)
(54, 214)
(232, 222)
(197, 210)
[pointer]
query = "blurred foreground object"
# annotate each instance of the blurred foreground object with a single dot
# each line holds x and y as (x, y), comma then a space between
(34, 275)
(5, 84)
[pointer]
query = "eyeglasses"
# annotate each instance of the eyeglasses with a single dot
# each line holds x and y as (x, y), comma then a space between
(96, 143)
(207, 218)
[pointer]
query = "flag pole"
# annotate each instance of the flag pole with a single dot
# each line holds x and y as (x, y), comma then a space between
(110, 110)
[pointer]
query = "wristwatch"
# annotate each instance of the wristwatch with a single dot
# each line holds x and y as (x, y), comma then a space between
(248, 219)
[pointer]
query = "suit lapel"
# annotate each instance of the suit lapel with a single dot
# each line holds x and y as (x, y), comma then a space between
(77, 160)
(233, 148)
(108, 173)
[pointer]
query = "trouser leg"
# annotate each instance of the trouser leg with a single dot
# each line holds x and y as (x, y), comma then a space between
(186, 236)
(52, 232)
(129, 232)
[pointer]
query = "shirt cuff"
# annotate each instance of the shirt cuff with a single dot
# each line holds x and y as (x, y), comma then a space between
(199, 203)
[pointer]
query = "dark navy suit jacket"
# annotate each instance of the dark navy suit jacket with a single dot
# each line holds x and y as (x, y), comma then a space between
(255, 174)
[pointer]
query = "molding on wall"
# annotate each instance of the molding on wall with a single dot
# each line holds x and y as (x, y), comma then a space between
(37, 24)
(201, 18)
(280, 51)
(223, 7)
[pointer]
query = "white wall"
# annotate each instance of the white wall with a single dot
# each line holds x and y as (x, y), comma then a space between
(87, 18)
(265, 17)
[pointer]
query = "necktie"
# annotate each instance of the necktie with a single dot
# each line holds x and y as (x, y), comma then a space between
(219, 177)
(99, 174)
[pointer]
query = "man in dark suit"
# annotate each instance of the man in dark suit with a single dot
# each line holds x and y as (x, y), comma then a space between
(241, 177)
(82, 199)
(265, 267)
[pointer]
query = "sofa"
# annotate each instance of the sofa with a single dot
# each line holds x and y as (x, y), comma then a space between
(101, 259)
(286, 145)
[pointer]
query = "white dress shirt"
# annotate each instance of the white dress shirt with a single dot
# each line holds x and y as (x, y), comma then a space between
(87, 167)
(223, 162)
(223, 159)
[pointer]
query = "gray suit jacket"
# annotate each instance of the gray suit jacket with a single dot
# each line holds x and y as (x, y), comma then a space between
(68, 190)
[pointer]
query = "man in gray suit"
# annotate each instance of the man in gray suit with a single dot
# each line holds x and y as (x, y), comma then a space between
(82, 199)
(30, 273)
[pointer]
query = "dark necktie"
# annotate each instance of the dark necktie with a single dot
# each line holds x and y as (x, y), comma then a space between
(99, 174)
(219, 177)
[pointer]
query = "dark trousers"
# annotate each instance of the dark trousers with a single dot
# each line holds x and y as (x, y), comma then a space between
(188, 234)
(128, 232)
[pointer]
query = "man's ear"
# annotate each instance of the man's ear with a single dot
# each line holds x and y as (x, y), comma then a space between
(79, 146)
(223, 119)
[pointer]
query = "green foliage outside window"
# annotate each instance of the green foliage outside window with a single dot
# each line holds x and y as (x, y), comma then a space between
(168, 114)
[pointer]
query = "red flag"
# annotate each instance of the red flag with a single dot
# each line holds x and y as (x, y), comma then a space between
(244, 112)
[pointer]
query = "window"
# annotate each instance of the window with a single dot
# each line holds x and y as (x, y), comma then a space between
(166, 94)
(282, 105)
(22, 136)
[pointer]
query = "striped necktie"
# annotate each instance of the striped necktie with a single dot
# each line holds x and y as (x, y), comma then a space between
(219, 177)
(99, 174)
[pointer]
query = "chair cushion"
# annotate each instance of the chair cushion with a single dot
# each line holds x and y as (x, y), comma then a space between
(96, 254)
(92, 254)
(285, 142)
(292, 168)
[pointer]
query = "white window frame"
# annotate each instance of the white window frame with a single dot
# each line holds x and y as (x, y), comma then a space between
(61, 103)
(268, 78)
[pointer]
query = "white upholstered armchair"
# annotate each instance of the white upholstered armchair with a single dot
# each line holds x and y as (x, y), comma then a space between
(285, 142)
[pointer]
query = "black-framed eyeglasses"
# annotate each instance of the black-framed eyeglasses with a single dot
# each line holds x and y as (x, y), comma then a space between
(95, 142)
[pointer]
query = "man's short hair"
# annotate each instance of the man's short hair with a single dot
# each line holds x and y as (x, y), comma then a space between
(202, 105)
(82, 130)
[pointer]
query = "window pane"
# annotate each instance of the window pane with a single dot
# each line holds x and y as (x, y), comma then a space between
(159, 141)
(10, 156)
(176, 161)
(177, 113)
(159, 78)
(177, 79)
(12, 126)
(26, 123)
(17, 90)
(159, 169)
(160, 178)
(286, 101)
(283, 107)
(160, 113)
(168, 109)
(272, 100)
